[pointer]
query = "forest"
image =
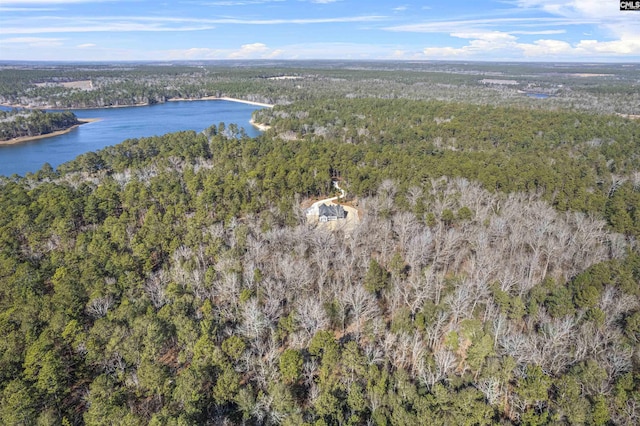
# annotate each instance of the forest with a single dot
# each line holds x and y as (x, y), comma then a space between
(494, 277)
(19, 123)
(599, 88)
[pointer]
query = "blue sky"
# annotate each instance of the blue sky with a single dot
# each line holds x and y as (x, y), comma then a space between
(511, 30)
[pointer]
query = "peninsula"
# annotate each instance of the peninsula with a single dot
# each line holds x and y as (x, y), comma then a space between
(22, 126)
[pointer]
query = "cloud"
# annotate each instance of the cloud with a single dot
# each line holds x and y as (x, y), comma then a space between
(97, 26)
(344, 50)
(33, 41)
(26, 39)
(541, 48)
(616, 47)
(274, 54)
(604, 14)
(294, 51)
(571, 8)
(490, 36)
(250, 51)
(448, 26)
(28, 2)
(239, 2)
(550, 13)
(300, 21)
(152, 24)
(246, 51)
(255, 51)
(525, 29)
(193, 53)
(26, 9)
(444, 52)
(538, 32)
(500, 37)
(504, 44)
(480, 44)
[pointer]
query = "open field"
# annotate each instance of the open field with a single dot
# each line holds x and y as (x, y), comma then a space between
(80, 84)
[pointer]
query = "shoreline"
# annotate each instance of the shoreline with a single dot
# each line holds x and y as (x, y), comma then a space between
(629, 116)
(223, 98)
(259, 126)
(206, 98)
(55, 108)
(22, 139)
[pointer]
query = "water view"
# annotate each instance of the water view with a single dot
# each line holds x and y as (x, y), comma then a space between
(118, 124)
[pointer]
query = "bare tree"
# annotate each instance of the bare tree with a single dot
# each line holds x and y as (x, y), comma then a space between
(99, 307)
(413, 195)
(445, 362)
(436, 330)
(154, 287)
(311, 316)
(254, 322)
(405, 227)
(460, 303)
(363, 306)
(491, 388)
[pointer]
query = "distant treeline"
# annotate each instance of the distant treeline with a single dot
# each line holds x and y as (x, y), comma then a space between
(606, 88)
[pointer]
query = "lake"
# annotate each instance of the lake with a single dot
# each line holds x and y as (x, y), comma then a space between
(118, 124)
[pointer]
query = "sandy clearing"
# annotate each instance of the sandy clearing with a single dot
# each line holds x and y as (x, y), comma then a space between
(76, 84)
(260, 126)
(347, 225)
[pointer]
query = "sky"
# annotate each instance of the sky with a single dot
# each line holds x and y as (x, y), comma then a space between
(475, 30)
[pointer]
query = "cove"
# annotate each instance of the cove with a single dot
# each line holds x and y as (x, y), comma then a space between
(119, 124)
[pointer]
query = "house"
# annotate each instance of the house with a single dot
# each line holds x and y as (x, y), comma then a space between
(332, 212)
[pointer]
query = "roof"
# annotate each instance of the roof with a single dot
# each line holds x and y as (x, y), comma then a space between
(332, 210)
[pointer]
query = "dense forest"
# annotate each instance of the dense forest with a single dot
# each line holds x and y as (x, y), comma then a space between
(19, 123)
(494, 277)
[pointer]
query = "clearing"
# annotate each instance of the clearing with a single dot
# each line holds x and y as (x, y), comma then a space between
(348, 224)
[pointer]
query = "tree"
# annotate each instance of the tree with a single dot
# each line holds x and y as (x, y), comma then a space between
(18, 404)
(376, 279)
(534, 387)
(290, 365)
